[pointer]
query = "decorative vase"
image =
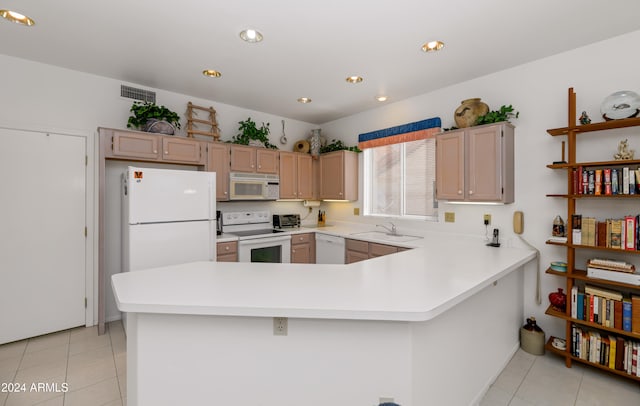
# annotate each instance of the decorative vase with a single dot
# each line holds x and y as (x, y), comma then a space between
(159, 126)
(558, 300)
(314, 142)
(468, 112)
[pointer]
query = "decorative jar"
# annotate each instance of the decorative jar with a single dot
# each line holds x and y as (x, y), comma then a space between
(558, 300)
(314, 142)
(468, 112)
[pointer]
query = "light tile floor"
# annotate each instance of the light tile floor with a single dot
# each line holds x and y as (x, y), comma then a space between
(545, 380)
(94, 367)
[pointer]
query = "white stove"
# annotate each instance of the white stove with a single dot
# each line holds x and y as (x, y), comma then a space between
(258, 241)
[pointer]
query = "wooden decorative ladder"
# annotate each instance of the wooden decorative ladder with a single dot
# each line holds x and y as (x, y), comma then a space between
(211, 122)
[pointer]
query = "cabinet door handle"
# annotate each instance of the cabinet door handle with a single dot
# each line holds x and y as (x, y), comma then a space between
(471, 192)
(155, 151)
(226, 248)
(459, 192)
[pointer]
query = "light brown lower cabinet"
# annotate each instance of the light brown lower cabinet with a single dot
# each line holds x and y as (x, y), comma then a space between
(303, 248)
(357, 250)
(227, 251)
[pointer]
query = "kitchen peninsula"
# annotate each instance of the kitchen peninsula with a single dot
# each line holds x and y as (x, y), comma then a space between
(411, 327)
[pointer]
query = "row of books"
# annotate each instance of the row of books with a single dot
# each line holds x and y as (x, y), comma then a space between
(607, 181)
(608, 308)
(608, 350)
(620, 233)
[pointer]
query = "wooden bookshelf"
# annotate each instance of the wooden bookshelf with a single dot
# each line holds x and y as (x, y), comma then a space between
(574, 274)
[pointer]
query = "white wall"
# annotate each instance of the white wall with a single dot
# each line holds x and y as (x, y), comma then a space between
(539, 91)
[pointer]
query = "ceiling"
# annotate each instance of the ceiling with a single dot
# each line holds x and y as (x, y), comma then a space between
(309, 47)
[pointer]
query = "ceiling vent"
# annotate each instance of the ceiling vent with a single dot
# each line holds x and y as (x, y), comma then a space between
(137, 94)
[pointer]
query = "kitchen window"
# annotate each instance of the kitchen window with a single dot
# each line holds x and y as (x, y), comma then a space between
(399, 180)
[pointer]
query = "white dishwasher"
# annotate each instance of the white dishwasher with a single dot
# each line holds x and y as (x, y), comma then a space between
(329, 249)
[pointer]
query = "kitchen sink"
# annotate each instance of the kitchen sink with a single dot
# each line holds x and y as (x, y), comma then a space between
(381, 235)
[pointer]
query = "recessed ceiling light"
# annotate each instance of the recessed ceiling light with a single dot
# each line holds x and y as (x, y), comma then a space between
(354, 79)
(304, 100)
(433, 46)
(381, 98)
(16, 17)
(250, 35)
(211, 73)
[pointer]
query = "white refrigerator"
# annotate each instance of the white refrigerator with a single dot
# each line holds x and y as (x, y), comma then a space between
(169, 217)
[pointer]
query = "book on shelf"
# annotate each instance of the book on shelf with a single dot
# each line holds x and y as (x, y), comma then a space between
(597, 182)
(606, 174)
(626, 314)
(630, 233)
(611, 264)
(576, 229)
(601, 234)
(635, 314)
(574, 302)
(557, 239)
(614, 276)
(637, 171)
(625, 181)
(632, 182)
(614, 181)
(580, 306)
(616, 233)
(617, 315)
(620, 353)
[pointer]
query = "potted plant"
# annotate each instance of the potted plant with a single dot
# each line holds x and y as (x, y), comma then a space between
(504, 114)
(337, 145)
(150, 117)
(250, 134)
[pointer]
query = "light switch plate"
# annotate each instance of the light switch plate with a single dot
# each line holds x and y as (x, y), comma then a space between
(449, 217)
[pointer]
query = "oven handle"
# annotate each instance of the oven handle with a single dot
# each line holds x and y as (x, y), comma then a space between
(262, 240)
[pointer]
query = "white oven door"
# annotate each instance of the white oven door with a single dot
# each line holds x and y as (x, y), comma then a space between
(268, 249)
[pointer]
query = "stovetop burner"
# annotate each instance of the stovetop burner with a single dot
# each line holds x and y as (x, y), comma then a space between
(247, 233)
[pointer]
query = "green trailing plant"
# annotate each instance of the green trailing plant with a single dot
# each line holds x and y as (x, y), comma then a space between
(504, 114)
(337, 145)
(249, 131)
(147, 110)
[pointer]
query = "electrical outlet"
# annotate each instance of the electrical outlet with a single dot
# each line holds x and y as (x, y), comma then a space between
(280, 326)
(449, 217)
(487, 219)
(356, 211)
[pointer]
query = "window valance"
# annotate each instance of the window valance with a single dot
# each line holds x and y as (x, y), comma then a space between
(418, 130)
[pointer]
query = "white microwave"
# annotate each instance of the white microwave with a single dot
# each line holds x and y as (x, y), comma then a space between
(253, 186)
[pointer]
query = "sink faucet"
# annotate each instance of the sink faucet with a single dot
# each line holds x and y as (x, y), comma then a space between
(392, 230)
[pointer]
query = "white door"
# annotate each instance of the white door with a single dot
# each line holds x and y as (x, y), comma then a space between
(42, 241)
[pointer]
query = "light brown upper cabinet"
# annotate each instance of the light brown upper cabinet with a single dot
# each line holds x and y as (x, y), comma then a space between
(218, 162)
(139, 146)
(475, 164)
(252, 159)
(182, 150)
(339, 175)
(296, 175)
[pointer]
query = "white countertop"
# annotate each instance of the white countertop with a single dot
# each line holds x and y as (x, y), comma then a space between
(414, 285)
